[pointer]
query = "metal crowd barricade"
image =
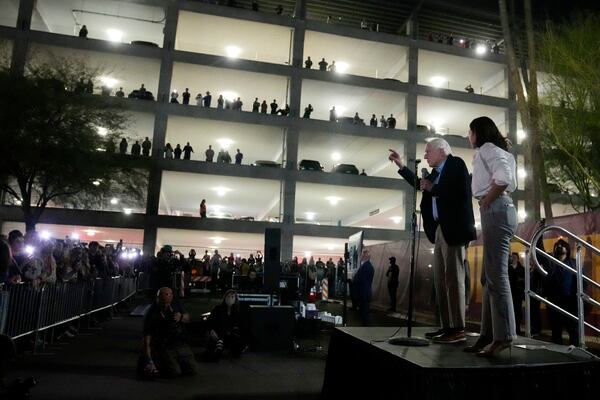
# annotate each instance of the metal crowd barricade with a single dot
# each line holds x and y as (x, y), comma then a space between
(27, 309)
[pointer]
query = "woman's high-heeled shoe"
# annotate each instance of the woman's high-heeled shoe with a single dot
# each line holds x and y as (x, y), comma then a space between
(496, 348)
(478, 346)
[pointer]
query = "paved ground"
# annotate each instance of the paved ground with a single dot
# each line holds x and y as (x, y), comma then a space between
(100, 364)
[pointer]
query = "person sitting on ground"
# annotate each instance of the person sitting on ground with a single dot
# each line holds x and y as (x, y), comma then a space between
(226, 331)
(166, 350)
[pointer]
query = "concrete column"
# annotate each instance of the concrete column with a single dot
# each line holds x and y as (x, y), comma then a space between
(21, 42)
(287, 229)
(160, 125)
(300, 9)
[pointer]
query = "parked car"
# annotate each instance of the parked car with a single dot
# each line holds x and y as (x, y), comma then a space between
(144, 43)
(147, 95)
(245, 219)
(345, 169)
(266, 163)
(310, 165)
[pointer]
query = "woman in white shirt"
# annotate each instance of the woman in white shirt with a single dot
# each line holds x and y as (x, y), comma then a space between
(494, 178)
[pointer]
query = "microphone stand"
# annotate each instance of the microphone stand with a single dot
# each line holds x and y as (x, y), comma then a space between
(409, 340)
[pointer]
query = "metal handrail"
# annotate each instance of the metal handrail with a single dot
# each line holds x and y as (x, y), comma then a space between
(581, 296)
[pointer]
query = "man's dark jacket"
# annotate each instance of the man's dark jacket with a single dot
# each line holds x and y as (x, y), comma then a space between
(362, 281)
(454, 203)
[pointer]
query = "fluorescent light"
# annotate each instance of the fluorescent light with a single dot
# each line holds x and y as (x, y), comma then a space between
(75, 235)
(307, 254)
(127, 211)
(521, 134)
(396, 219)
(438, 81)
(102, 131)
(229, 95)
(340, 110)
(233, 51)
(114, 35)
(428, 265)
(333, 200)
(225, 143)
(522, 173)
(331, 247)
(217, 239)
(310, 215)
(96, 183)
(341, 67)
(114, 201)
(90, 232)
(45, 235)
(221, 190)
(335, 156)
(108, 81)
(436, 123)
(481, 49)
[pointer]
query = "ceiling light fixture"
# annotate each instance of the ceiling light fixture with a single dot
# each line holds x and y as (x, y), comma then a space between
(481, 49)
(341, 67)
(310, 215)
(114, 35)
(233, 51)
(396, 219)
(221, 190)
(438, 81)
(335, 156)
(333, 200)
(225, 143)
(114, 201)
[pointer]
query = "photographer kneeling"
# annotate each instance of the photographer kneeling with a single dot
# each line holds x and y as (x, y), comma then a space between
(225, 328)
(166, 350)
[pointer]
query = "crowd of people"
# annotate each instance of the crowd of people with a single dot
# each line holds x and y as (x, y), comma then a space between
(465, 43)
(34, 259)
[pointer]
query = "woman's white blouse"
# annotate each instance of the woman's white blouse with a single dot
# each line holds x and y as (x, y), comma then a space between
(491, 164)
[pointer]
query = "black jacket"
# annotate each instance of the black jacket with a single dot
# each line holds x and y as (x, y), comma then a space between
(454, 203)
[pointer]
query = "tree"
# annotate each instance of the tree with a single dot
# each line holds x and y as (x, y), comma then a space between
(523, 76)
(55, 138)
(570, 56)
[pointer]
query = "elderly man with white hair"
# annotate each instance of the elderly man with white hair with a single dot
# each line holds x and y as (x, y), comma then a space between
(447, 213)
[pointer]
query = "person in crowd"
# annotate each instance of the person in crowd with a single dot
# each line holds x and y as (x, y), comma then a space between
(469, 88)
(146, 146)
(251, 260)
(142, 90)
(447, 213)
(363, 173)
(391, 122)
(494, 178)
(174, 97)
(279, 9)
(187, 151)
(383, 122)
(333, 114)
(186, 96)
(168, 151)
(123, 146)
(16, 241)
(228, 104)
(308, 63)
(516, 278)
(83, 32)
(177, 152)
(9, 271)
(254, 5)
(373, 121)
(199, 100)
(203, 208)
(215, 263)
(263, 107)
(307, 111)
(98, 265)
(220, 102)
(274, 106)
(136, 149)
(392, 274)
(330, 265)
(560, 287)
(361, 287)
(356, 120)
(120, 93)
(238, 104)
(238, 157)
(210, 154)
(207, 99)
(321, 271)
(323, 65)
(226, 330)
(255, 105)
(332, 67)
(166, 349)
(284, 111)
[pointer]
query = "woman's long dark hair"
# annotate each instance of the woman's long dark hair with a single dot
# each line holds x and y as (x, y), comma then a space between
(485, 131)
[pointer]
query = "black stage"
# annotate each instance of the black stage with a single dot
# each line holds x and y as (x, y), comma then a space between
(361, 363)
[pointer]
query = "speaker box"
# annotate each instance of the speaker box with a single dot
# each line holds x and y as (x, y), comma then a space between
(272, 254)
(271, 327)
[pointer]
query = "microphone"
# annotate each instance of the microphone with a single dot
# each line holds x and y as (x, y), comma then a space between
(415, 160)
(424, 173)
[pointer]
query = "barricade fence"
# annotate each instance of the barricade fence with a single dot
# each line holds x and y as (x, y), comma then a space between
(27, 309)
